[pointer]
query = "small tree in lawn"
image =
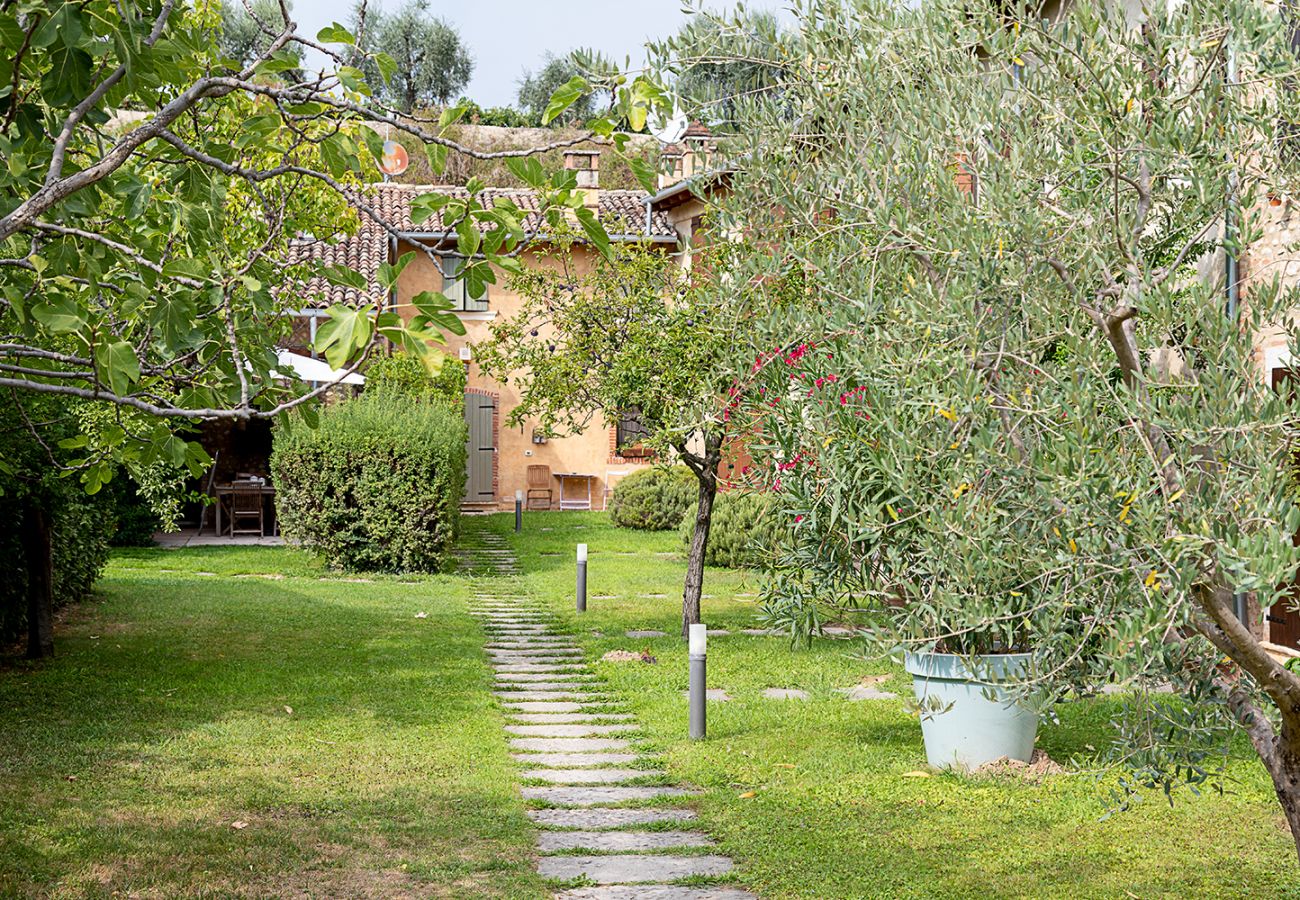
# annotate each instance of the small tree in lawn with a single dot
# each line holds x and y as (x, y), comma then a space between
(1007, 409)
(153, 199)
(630, 336)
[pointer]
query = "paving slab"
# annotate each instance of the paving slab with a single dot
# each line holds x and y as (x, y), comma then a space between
(620, 841)
(525, 677)
(632, 869)
(589, 776)
(573, 760)
(717, 694)
(570, 745)
(542, 706)
(514, 687)
(579, 693)
(761, 632)
(865, 692)
(538, 667)
(563, 731)
(654, 892)
(785, 694)
(531, 652)
(599, 796)
(607, 818)
(567, 718)
(649, 633)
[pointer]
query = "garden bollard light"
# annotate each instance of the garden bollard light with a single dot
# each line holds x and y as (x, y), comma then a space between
(698, 650)
(582, 578)
(519, 511)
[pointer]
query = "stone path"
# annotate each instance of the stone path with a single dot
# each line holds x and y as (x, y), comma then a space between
(596, 797)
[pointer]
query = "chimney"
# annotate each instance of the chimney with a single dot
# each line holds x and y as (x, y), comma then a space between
(698, 155)
(585, 165)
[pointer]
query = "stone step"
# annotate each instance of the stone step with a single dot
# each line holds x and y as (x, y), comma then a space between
(526, 677)
(515, 687)
(566, 718)
(538, 667)
(548, 658)
(607, 818)
(590, 776)
(654, 892)
(632, 869)
(574, 760)
(542, 706)
(619, 841)
(531, 652)
(570, 745)
(599, 796)
(579, 693)
(563, 731)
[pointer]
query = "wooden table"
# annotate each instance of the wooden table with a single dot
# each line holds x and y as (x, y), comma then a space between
(577, 502)
(224, 492)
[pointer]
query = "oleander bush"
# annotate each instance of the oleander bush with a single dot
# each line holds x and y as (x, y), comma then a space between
(376, 485)
(653, 499)
(746, 530)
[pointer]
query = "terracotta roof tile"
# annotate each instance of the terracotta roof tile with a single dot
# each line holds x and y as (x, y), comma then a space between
(624, 211)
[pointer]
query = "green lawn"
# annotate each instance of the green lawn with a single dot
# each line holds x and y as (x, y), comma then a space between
(832, 813)
(125, 762)
(164, 720)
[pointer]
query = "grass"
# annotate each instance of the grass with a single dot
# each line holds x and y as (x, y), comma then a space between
(359, 744)
(165, 719)
(813, 798)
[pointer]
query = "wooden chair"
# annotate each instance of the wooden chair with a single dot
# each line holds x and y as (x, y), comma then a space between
(246, 505)
(539, 483)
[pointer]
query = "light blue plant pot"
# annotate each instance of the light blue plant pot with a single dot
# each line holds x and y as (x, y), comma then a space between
(967, 718)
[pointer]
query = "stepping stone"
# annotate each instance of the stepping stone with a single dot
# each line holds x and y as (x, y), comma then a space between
(540, 650)
(534, 644)
(549, 657)
(607, 818)
(654, 892)
(567, 718)
(570, 745)
(619, 841)
(548, 695)
(646, 634)
(538, 667)
(589, 776)
(760, 632)
(574, 760)
(523, 678)
(631, 869)
(865, 692)
(541, 706)
(599, 796)
(512, 686)
(785, 694)
(563, 731)
(717, 632)
(717, 694)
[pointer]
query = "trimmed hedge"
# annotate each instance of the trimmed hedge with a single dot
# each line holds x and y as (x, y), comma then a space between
(745, 530)
(376, 486)
(653, 499)
(81, 528)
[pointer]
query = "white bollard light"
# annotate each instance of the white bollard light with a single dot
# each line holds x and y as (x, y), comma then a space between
(582, 578)
(697, 648)
(519, 511)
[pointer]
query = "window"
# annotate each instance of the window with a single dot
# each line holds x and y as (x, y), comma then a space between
(455, 289)
(631, 434)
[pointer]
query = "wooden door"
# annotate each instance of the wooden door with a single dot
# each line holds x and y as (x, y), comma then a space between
(480, 447)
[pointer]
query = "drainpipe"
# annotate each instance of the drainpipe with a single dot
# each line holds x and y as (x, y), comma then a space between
(1232, 274)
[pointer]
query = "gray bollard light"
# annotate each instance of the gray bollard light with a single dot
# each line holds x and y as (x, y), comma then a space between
(698, 651)
(519, 511)
(582, 578)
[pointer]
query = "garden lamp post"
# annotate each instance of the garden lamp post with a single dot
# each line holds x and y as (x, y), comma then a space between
(698, 638)
(519, 511)
(582, 578)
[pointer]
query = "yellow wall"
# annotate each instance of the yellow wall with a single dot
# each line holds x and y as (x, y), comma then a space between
(588, 452)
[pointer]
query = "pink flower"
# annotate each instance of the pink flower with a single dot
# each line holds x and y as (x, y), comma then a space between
(798, 519)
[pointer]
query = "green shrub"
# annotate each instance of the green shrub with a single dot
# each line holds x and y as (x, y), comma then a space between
(81, 527)
(745, 532)
(405, 374)
(653, 499)
(376, 486)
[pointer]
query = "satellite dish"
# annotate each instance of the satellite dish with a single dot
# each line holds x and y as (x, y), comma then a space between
(395, 159)
(671, 131)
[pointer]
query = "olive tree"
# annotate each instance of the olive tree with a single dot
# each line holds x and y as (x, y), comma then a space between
(154, 197)
(1002, 388)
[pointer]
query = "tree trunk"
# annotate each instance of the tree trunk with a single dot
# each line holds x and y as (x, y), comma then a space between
(706, 472)
(38, 550)
(1283, 767)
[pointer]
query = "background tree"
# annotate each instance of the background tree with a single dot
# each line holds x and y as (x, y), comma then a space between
(1002, 403)
(247, 29)
(717, 62)
(433, 63)
(627, 337)
(535, 90)
(148, 258)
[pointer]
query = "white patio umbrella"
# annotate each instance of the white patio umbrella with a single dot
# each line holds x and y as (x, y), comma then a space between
(304, 368)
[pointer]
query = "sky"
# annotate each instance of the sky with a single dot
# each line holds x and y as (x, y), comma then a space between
(507, 37)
